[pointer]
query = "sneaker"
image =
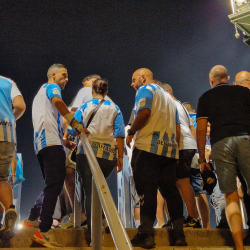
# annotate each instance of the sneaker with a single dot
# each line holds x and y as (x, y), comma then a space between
(46, 239)
(70, 222)
(223, 224)
(7, 231)
(192, 222)
(167, 225)
(144, 240)
(159, 226)
(30, 223)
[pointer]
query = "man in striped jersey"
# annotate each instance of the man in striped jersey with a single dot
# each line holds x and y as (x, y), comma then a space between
(9, 96)
(155, 155)
(47, 111)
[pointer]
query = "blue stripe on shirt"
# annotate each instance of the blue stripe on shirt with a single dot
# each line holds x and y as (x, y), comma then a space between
(154, 146)
(165, 147)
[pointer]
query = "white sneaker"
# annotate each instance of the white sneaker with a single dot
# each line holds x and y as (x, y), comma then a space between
(7, 230)
(46, 239)
(159, 226)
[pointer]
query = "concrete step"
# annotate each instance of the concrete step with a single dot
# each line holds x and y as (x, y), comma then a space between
(135, 248)
(75, 238)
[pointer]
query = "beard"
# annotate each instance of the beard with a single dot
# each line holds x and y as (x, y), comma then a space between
(140, 83)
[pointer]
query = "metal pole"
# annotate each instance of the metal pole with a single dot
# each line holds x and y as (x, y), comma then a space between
(118, 232)
(96, 219)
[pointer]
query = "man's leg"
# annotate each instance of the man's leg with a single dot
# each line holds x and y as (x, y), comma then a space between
(7, 151)
(160, 210)
(146, 176)
(234, 218)
(183, 170)
(70, 185)
(224, 155)
(54, 170)
(168, 188)
(203, 209)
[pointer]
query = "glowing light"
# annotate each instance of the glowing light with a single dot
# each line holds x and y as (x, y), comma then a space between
(240, 2)
(19, 226)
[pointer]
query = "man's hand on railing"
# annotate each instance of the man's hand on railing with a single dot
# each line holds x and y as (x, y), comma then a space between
(69, 144)
(119, 165)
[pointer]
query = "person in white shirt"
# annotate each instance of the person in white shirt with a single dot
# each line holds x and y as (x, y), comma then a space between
(155, 156)
(9, 96)
(48, 109)
(106, 137)
(188, 148)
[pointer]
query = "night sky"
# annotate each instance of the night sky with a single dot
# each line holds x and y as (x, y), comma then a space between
(180, 41)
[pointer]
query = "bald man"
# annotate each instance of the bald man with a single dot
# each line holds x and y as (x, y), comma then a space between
(242, 79)
(155, 155)
(226, 108)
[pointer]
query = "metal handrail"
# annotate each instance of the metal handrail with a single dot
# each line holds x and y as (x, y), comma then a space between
(118, 232)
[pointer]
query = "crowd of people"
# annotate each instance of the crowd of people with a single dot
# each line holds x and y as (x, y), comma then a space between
(177, 155)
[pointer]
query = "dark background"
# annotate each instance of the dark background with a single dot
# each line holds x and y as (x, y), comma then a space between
(178, 40)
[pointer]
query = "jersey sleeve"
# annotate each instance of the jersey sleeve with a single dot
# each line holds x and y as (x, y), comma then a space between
(14, 90)
(144, 99)
(53, 90)
(119, 125)
(201, 109)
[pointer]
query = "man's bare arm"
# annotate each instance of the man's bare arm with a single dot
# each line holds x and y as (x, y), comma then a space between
(140, 120)
(19, 106)
(178, 132)
(192, 130)
(201, 137)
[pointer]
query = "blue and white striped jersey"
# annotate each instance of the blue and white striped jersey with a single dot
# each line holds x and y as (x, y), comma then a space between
(106, 125)
(158, 136)
(47, 121)
(8, 91)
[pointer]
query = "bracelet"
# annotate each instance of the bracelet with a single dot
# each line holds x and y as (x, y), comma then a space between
(130, 132)
(65, 138)
(13, 174)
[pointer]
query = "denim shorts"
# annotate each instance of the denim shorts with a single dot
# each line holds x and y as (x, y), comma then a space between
(7, 151)
(196, 180)
(229, 155)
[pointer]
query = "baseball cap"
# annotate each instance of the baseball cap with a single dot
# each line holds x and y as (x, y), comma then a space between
(209, 181)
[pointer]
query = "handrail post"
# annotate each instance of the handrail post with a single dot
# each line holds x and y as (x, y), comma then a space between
(116, 227)
(96, 219)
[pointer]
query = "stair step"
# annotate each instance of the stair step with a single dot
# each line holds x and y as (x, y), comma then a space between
(75, 238)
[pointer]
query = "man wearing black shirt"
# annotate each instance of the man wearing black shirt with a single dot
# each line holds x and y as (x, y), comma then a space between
(227, 108)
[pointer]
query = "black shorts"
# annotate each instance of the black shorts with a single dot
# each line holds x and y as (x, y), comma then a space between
(184, 165)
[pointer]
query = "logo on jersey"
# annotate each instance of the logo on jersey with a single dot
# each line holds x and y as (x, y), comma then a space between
(167, 143)
(6, 124)
(141, 103)
(105, 148)
(56, 91)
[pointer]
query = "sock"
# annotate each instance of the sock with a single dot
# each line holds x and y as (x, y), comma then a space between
(137, 223)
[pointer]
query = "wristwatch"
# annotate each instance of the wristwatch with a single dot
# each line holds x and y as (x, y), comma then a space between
(130, 132)
(202, 161)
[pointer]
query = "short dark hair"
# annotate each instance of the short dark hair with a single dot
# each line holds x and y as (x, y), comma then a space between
(53, 67)
(93, 76)
(100, 86)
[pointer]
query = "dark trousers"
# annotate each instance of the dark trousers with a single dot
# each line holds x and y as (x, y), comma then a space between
(35, 211)
(83, 168)
(151, 172)
(52, 163)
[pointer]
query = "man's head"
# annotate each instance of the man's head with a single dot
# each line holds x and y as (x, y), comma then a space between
(242, 79)
(167, 87)
(189, 107)
(141, 77)
(88, 81)
(100, 86)
(57, 73)
(218, 74)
